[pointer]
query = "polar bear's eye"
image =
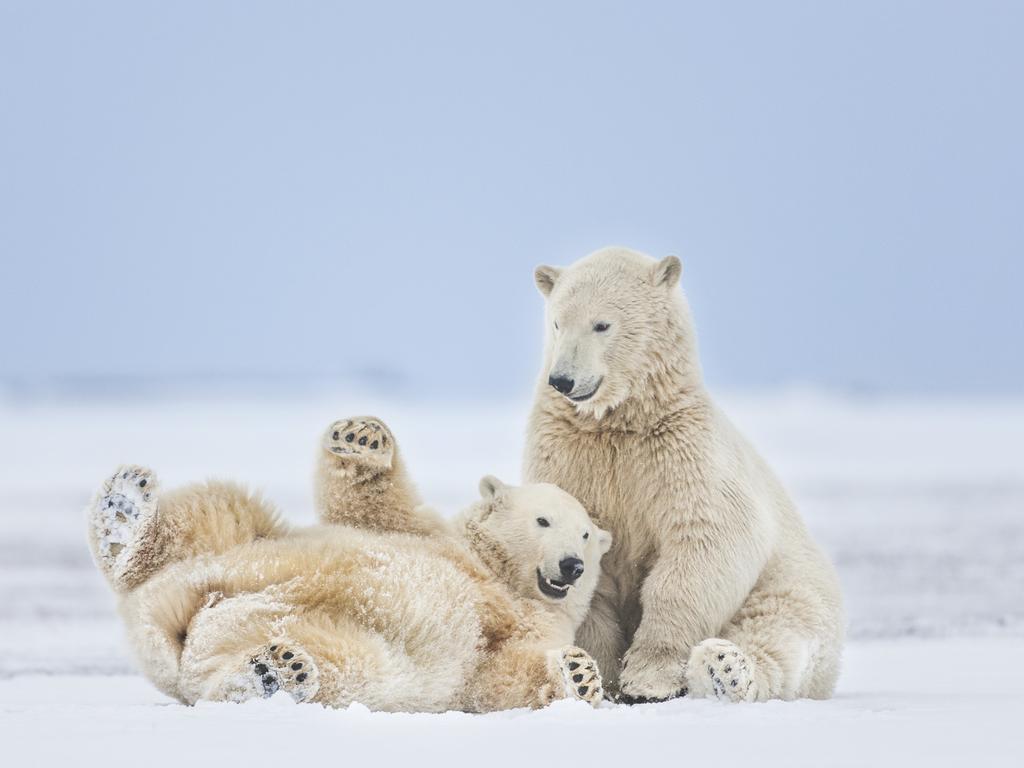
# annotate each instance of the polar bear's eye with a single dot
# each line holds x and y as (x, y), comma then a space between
(586, 535)
(543, 522)
(601, 327)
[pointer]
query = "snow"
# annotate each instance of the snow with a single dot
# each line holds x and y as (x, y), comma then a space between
(920, 503)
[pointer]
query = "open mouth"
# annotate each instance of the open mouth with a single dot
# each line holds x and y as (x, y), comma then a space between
(552, 587)
(590, 394)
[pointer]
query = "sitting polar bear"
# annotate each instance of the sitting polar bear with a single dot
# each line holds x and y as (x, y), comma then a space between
(714, 586)
(395, 609)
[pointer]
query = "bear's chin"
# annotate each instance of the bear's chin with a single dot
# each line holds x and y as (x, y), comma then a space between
(596, 411)
(552, 589)
(603, 400)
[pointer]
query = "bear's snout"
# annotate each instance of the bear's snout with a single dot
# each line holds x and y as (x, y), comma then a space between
(562, 383)
(571, 569)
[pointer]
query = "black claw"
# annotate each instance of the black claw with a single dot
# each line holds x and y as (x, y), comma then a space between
(728, 668)
(301, 677)
(711, 671)
(261, 669)
(577, 678)
(733, 683)
(350, 437)
(374, 444)
(362, 440)
(573, 665)
(335, 435)
(721, 657)
(273, 648)
(583, 690)
(297, 665)
(287, 654)
(142, 483)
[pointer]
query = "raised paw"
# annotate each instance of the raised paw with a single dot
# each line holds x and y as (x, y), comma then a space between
(363, 440)
(580, 675)
(719, 669)
(280, 666)
(121, 517)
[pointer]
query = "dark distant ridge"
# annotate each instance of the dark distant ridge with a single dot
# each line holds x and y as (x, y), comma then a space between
(120, 387)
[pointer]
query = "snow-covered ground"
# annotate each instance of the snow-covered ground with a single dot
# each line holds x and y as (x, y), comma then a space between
(920, 503)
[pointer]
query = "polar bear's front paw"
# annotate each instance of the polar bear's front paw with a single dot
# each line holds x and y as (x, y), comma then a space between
(122, 515)
(652, 678)
(580, 675)
(280, 666)
(719, 669)
(362, 440)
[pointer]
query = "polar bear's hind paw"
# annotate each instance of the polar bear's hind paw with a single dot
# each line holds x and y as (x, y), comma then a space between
(286, 667)
(719, 669)
(123, 507)
(363, 439)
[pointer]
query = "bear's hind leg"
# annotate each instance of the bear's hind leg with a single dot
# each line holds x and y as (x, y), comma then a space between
(280, 665)
(122, 521)
(783, 644)
(361, 480)
(134, 531)
(719, 669)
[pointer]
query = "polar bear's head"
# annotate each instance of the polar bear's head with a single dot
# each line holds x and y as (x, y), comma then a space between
(539, 540)
(610, 317)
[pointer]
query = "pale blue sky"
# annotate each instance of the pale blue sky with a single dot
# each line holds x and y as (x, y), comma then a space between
(308, 189)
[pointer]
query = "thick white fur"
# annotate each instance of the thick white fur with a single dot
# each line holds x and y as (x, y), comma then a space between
(713, 583)
(210, 582)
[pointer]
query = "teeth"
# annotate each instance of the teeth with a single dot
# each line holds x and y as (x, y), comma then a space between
(559, 587)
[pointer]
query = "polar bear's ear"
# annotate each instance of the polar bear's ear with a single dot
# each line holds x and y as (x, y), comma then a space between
(604, 540)
(490, 486)
(668, 271)
(546, 277)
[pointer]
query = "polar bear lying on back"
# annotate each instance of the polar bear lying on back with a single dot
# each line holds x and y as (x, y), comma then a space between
(393, 609)
(714, 586)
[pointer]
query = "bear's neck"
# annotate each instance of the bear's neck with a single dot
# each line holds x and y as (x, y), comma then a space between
(491, 554)
(673, 383)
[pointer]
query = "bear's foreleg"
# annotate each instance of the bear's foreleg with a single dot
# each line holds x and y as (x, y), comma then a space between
(601, 634)
(517, 676)
(361, 480)
(691, 592)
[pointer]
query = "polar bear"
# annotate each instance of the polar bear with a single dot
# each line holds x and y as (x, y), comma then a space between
(224, 602)
(713, 586)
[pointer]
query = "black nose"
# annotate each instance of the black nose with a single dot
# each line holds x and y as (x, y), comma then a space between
(571, 568)
(562, 384)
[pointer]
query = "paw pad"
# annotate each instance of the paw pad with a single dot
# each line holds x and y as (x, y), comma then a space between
(119, 513)
(361, 440)
(581, 676)
(730, 675)
(283, 667)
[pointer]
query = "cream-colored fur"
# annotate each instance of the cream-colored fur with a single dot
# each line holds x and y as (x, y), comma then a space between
(224, 602)
(713, 584)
